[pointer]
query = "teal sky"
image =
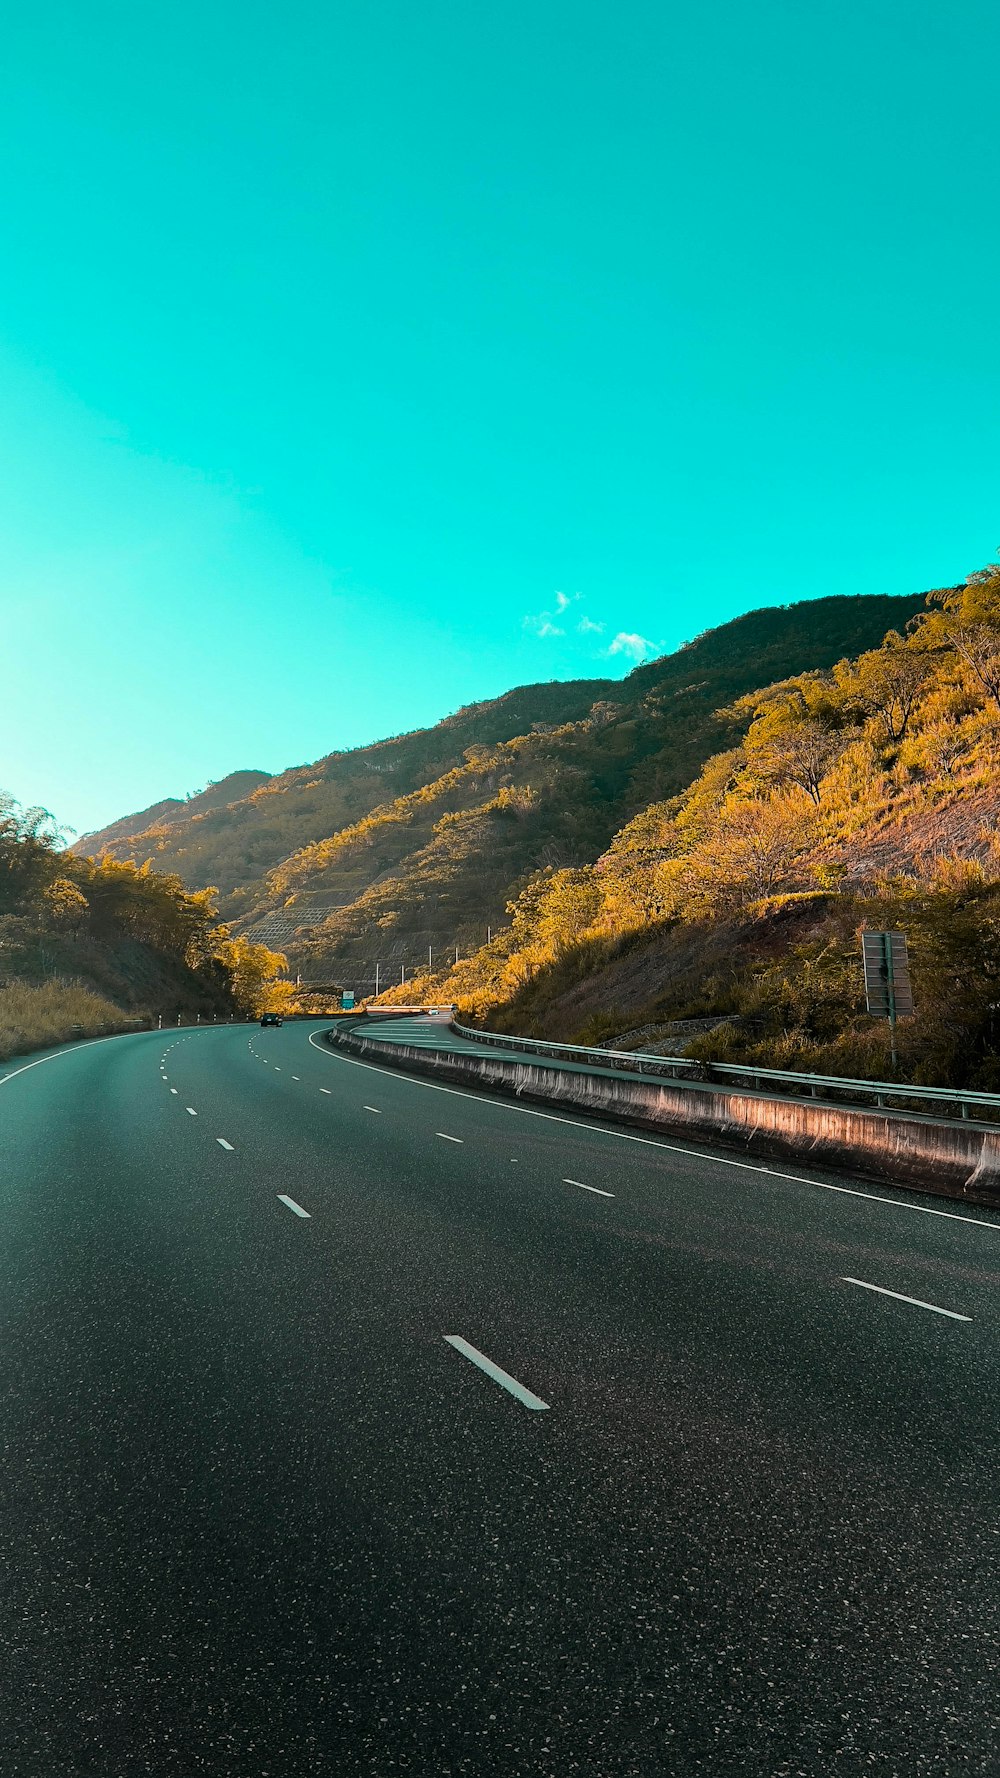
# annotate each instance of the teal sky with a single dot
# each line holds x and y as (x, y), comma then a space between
(361, 361)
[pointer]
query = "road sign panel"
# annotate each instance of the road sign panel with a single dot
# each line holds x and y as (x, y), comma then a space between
(887, 975)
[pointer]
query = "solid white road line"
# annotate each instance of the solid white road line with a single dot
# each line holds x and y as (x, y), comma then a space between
(221, 1140)
(292, 1205)
(596, 1129)
(916, 1302)
(62, 1054)
(191, 1111)
(493, 1370)
(445, 1138)
(588, 1188)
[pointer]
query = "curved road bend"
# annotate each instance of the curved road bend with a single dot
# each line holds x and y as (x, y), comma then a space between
(676, 1496)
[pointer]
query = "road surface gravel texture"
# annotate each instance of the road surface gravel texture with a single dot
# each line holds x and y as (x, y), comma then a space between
(355, 1425)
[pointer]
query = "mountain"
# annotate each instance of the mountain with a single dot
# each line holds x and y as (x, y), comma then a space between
(419, 841)
(172, 809)
(726, 921)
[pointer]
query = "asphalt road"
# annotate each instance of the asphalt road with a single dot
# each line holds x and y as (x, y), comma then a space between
(261, 1517)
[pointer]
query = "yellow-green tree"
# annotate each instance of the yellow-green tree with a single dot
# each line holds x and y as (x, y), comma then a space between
(796, 733)
(967, 620)
(253, 973)
(752, 851)
(66, 904)
(886, 683)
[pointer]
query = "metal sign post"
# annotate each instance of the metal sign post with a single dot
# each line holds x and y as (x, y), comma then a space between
(887, 979)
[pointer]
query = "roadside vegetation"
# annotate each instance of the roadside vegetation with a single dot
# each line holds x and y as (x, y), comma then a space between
(88, 946)
(33, 1016)
(866, 795)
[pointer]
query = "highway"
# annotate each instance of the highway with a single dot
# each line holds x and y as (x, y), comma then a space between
(353, 1424)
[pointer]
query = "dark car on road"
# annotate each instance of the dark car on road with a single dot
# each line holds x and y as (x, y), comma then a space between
(270, 1018)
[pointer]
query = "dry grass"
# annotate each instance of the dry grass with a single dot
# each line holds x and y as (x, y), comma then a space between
(32, 1017)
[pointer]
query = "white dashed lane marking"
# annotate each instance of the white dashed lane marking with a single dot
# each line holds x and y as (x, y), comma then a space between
(191, 1111)
(505, 1380)
(445, 1138)
(589, 1188)
(292, 1205)
(221, 1140)
(914, 1301)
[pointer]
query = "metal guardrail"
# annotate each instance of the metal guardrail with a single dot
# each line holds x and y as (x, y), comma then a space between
(820, 1086)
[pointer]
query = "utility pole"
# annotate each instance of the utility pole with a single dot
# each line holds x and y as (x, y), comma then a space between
(489, 935)
(376, 981)
(430, 959)
(402, 975)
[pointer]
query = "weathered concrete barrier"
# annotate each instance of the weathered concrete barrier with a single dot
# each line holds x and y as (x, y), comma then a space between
(952, 1158)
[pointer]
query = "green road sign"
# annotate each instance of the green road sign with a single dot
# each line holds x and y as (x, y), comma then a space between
(887, 975)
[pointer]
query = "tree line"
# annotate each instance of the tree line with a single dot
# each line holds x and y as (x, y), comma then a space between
(121, 925)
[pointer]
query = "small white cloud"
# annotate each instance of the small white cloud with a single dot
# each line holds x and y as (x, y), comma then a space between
(587, 627)
(631, 644)
(543, 625)
(563, 601)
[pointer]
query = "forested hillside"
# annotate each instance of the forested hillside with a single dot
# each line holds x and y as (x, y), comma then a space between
(419, 842)
(170, 811)
(726, 919)
(89, 946)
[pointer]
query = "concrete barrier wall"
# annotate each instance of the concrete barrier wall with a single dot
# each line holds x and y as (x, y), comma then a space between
(950, 1158)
